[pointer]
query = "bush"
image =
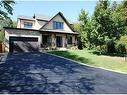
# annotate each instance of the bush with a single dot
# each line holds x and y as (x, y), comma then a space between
(102, 49)
(121, 45)
(110, 46)
(121, 48)
(80, 45)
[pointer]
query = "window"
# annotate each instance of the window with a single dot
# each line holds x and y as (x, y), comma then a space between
(69, 40)
(28, 25)
(57, 25)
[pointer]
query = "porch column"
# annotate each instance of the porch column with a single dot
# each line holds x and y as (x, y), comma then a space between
(40, 40)
(73, 40)
(53, 43)
(64, 40)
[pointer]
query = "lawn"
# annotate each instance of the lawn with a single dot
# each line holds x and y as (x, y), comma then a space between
(88, 57)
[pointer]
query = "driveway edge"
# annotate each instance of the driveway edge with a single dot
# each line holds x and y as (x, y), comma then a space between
(86, 64)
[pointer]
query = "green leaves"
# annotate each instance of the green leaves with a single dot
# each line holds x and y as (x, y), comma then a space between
(6, 9)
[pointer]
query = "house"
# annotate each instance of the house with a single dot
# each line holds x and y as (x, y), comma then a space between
(40, 32)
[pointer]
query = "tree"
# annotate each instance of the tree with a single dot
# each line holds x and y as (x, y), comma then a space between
(105, 27)
(6, 9)
(102, 22)
(83, 27)
(14, 24)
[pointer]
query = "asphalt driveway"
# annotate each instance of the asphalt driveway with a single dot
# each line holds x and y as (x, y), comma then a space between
(43, 73)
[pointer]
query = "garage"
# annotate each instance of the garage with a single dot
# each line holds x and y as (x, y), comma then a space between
(22, 40)
(23, 44)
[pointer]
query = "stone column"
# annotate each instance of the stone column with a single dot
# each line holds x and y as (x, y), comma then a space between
(64, 40)
(53, 40)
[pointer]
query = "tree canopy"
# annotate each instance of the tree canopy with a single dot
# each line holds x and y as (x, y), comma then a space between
(105, 27)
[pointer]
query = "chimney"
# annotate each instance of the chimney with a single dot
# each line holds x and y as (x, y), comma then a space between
(34, 16)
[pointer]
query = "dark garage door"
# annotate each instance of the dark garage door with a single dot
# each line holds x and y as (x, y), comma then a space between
(23, 44)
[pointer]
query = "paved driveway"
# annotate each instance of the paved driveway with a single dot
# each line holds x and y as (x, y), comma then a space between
(43, 73)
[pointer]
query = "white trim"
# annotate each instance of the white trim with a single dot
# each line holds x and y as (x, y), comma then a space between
(33, 36)
(87, 64)
(23, 35)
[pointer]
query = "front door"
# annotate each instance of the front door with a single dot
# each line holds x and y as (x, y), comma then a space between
(59, 41)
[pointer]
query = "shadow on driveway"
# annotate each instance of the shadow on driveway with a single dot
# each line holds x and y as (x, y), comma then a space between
(44, 73)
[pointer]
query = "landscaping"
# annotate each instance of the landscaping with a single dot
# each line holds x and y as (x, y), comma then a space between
(91, 58)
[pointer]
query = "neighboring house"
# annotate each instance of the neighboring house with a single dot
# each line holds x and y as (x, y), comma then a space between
(40, 32)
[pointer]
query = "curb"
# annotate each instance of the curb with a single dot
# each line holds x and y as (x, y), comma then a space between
(87, 64)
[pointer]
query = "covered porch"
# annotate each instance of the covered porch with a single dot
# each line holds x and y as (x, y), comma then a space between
(58, 41)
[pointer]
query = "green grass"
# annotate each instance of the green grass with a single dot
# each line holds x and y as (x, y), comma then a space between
(87, 57)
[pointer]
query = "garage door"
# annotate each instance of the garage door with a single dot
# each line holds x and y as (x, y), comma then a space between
(23, 44)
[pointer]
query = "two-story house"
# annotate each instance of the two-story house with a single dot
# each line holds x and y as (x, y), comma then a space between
(40, 32)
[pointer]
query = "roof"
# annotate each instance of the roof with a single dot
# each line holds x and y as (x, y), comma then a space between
(62, 18)
(26, 17)
(42, 17)
(34, 32)
(58, 31)
(38, 17)
(20, 31)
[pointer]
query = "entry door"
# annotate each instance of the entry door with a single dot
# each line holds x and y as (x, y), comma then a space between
(59, 41)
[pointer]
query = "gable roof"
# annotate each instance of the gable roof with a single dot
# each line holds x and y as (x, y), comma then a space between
(38, 17)
(62, 18)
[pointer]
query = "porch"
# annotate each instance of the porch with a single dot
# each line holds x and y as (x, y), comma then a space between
(51, 41)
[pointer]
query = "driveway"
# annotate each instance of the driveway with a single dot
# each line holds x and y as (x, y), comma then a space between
(43, 73)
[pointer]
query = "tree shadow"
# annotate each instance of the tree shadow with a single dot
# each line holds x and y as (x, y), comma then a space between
(107, 54)
(30, 73)
(69, 55)
(25, 47)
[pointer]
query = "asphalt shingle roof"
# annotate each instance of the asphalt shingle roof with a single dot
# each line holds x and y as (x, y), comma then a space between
(23, 32)
(39, 17)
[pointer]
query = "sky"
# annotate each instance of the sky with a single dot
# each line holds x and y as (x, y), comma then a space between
(70, 9)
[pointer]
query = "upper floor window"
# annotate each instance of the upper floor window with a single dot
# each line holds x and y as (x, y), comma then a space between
(57, 25)
(28, 25)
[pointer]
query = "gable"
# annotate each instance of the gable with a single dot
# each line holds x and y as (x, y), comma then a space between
(58, 18)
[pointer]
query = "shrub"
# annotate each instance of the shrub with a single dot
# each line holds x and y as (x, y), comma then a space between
(110, 46)
(122, 45)
(121, 48)
(101, 49)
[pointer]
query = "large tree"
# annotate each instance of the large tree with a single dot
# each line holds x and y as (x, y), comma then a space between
(84, 28)
(6, 9)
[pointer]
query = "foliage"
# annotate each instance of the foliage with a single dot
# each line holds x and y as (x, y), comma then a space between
(83, 28)
(121, 48)
(110, 46)
(1, 36)
(6, 9)
(105, 27)
(123, 40)
(121, 45)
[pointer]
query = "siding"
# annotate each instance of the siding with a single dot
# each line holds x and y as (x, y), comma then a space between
(59, 19)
